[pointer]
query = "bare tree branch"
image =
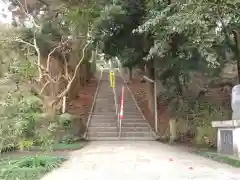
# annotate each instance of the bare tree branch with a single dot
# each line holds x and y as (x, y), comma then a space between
(24, 42)
(66, 69)
(50, 54)
(31, 18)
(25, 1)
(64, 93)
(44, 87)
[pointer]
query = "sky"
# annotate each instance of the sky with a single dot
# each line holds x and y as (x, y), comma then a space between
(5, 14)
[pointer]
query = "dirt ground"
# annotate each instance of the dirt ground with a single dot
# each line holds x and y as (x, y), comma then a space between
(81, 106)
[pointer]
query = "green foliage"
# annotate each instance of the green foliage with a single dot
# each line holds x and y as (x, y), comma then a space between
(205, 112)
(113, 29)
(206, 136)
(68, 139)
(65, 121)
(18, 119)
(45, 137)
(189, 36)
(23, 124)
(29, 168)
(60, 147)
(25, 144)
(220, 158)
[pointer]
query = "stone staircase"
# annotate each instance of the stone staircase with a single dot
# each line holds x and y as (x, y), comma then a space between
(103, 123)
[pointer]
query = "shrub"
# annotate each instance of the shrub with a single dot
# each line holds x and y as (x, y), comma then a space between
(206, 136)
(65, 121)
(29, 168)
(18, 120)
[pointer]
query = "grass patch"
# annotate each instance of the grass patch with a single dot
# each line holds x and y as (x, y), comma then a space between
(60, 147)
(28, 168)
(220, 158)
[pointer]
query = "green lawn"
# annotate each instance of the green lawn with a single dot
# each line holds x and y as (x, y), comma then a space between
(29, 167)
(235, 162)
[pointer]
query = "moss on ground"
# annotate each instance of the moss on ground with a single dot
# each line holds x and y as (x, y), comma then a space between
(28, 168)
(220, 158)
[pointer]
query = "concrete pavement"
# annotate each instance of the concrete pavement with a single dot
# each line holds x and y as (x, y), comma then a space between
(126, 160)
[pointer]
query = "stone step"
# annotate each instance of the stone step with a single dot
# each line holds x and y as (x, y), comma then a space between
(105, 108)
(103, 120)
(108, 97)
(135, 129)
(103, 100)
(137, 124)
(124, 121)
(96, 114)
(102, 134)
(133, 119)
(129, 104)
(136, 134)
(103, 115)
(107, 111)
(121, 138)
(102, 124)
(115, 129)
(132, 107)
(100, 118)
(103, 129)
(132, 116)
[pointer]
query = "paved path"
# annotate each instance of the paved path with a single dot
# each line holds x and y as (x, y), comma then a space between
(139, 161)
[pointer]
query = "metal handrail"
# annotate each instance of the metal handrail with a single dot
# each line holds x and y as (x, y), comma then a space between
(135, 102)
(93, 104)
(115, 100)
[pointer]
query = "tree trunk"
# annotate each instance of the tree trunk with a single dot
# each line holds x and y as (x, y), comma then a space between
(130, 74)
(237, 52)
(88, 72)
(74, 58)
(53, 89)
(82, 75)
(142, 68)
(173, 130)
(150, 86)
(93, 64)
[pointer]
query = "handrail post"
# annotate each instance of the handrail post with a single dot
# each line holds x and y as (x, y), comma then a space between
(121, 111)
(155, 102)
(115, 99)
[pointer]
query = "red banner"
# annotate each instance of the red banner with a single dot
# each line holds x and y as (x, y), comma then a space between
(122, 103)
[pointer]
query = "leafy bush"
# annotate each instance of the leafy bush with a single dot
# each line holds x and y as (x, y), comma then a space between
(18, 120)
(66, 121)
(29, 168)
(25, 144)
(206, 112)
(206, 136)
(45, 136)
(203, 114)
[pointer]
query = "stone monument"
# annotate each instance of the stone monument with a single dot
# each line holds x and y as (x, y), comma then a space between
(229, 131)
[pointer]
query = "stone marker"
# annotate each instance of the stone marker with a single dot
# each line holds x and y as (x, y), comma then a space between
(229, 131)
